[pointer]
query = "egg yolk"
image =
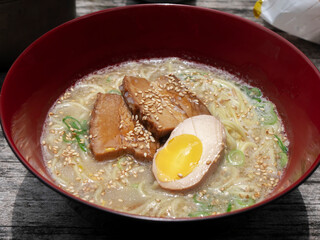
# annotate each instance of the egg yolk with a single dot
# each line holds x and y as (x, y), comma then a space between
(178, 158)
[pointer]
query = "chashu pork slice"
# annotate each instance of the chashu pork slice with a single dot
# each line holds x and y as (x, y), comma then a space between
(161, 105)
(115, 132)
(181, 97)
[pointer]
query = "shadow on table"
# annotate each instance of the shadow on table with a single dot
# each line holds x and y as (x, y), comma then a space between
(41, 213)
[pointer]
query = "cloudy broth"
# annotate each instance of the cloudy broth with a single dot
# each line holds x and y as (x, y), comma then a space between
(255, 156)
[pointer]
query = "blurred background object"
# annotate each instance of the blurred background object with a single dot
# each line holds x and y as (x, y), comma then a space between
(162, 1)
(298, 18)
(23, 21)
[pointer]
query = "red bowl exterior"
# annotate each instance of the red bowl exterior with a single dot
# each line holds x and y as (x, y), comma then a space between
(60, 57)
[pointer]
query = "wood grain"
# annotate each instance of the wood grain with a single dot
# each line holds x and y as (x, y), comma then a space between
(30, 210)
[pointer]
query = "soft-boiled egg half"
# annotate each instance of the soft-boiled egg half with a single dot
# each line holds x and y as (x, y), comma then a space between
(193, 148)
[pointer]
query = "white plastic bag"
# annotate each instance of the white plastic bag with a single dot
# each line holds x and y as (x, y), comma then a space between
(300, 18)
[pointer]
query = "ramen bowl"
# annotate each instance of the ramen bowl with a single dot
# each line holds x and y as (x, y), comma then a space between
(253, 53)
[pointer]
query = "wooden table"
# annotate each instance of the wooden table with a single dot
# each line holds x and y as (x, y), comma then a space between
(30, 210)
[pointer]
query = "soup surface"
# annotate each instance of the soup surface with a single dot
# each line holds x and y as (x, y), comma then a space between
(253, 161)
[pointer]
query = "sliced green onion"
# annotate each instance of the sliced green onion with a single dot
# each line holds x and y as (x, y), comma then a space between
(71, 122)
(281, 145)
(81, 143)
(74, 125)
(266, 113)
(283, 159)
(244, 202)
(229, 208)
(85, 126)
(253, 93)
(114, 91)
(235, 157)
(77, 131)
(283, 155)
(135, 185)
(200, 214)
(204, 208)
(195, 199)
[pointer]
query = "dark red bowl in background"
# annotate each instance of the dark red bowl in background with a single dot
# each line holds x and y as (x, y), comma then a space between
(60, 57)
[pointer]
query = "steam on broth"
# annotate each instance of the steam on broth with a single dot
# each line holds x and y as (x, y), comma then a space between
(253, 160)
